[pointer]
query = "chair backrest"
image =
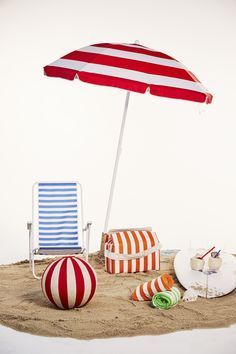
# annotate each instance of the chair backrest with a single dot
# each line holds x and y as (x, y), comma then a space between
(57, 215)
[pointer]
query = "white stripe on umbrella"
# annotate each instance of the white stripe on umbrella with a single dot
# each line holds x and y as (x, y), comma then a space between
(132, 55)
(133, 45)
(149, 79)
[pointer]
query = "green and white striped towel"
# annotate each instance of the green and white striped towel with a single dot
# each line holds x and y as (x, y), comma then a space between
(166, 299)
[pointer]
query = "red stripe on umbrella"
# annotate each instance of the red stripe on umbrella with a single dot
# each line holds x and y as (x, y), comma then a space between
(104, 80)
(137, 48)
(130, 64)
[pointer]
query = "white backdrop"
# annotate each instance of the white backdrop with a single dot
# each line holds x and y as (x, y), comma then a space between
(177, 170)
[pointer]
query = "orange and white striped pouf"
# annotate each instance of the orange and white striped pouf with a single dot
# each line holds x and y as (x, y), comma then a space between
(132, 251)
(146, 291)
(69, 282)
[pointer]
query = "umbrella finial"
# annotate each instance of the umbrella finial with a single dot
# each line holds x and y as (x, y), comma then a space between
(137, 41)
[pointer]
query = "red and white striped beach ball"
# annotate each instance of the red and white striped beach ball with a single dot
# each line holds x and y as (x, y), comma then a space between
(69, 282)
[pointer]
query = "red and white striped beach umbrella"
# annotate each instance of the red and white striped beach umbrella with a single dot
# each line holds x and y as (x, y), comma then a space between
(132, 67)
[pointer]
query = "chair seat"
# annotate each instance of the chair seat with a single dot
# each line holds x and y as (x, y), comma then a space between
(58, 251)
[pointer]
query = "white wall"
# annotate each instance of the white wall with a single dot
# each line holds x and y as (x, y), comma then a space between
(177, 171)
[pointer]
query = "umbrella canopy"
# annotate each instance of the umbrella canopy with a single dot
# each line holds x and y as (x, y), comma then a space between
(131, 67)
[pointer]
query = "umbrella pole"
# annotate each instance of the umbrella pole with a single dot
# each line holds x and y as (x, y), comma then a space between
(118, 152)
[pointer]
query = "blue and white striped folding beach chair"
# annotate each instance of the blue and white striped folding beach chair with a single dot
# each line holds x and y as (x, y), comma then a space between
(57, 221)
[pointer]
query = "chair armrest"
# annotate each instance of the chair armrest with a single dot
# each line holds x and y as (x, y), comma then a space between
(87, 230)
(88, 226)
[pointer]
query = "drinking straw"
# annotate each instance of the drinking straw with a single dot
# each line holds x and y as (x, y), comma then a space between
(217, 254)
(206, 253)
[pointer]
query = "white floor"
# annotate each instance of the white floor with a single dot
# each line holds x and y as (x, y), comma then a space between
(217, 341)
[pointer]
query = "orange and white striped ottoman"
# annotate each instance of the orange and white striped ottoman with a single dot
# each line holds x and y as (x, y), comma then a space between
(132, 251)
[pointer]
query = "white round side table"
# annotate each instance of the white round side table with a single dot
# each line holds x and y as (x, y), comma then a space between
(208, 284)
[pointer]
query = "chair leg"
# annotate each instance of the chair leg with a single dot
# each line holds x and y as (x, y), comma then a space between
(88, 227)
(30, 261)
(29, 228)
(33, 268)
(31, 252)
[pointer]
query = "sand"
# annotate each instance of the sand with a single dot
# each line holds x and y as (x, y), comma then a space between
(111, 313)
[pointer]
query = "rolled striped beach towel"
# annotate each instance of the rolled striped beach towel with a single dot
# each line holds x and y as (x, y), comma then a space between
(145, 292)
(166, 299)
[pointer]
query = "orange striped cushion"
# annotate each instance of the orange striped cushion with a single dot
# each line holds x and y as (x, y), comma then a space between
(146, 291)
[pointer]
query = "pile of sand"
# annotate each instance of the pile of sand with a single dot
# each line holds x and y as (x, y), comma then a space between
(111, 313)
